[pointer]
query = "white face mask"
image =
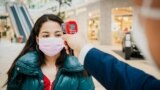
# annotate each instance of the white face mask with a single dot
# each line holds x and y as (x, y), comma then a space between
(51, 46)
(139, 29)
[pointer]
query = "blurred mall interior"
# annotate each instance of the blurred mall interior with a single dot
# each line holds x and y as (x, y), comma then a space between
(103, 22)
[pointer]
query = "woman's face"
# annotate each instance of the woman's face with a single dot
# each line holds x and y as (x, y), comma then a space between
(50, 29)
(151, 26)
(49, 38)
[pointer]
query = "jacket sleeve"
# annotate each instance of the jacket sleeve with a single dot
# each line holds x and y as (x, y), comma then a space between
(116, 75)
(14, 83)
(86, 83)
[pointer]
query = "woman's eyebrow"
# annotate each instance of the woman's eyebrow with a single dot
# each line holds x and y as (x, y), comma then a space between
(58, 31)
(45, 32)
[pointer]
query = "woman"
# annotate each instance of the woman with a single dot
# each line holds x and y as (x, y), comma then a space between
(43, 63)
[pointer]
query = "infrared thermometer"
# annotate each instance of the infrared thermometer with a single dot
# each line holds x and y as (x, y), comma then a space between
(70, 27)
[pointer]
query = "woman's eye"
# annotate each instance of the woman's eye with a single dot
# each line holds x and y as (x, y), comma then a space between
(58, 35)
(45, 35)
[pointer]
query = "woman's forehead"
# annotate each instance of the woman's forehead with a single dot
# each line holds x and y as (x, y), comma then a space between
(50, 26)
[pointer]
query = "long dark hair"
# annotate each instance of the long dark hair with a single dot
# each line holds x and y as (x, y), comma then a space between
(31, 44)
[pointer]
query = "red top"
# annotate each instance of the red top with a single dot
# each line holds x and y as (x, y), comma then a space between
(47, 84)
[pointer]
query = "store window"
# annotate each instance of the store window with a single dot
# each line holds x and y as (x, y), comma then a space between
(3, 26)
(121, 23)
(94, 26)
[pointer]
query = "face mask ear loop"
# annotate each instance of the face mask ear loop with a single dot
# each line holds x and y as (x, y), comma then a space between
(146, 7)
(147, 11)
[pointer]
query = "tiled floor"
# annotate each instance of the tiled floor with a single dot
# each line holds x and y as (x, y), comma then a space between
(9, 51)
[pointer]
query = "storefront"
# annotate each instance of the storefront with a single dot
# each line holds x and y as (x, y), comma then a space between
(3, 26)
(103, 22)
(93, 26)
(122, 19)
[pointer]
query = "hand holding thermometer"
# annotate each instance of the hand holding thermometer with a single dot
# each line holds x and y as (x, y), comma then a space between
(70, 27)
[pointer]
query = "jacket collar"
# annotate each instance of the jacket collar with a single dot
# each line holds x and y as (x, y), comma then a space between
(72, 64)
(29, 64)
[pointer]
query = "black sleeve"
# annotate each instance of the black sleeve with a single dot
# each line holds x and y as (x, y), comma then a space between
(116, 75)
